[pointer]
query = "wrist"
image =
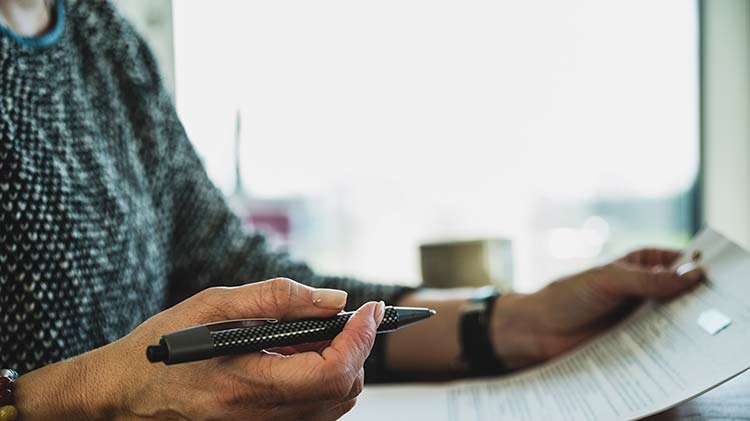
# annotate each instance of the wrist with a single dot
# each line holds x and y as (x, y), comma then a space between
(77, 388)
(478, 356)
(405, 348)
(513, 331)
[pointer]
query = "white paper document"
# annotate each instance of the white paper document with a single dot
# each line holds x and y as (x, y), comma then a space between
(663, 354)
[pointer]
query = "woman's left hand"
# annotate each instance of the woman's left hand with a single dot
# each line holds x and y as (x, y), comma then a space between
(529, 328)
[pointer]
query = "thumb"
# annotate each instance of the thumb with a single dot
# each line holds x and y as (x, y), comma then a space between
(656, 283)
(279, 298)
(352, 346)
(331, 373)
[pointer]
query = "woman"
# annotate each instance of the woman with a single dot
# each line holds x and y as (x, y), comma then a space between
(107, 219)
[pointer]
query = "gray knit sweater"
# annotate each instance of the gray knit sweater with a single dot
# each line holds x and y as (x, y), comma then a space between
(106, 213)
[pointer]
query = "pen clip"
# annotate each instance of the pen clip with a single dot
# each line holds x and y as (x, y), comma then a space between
(238, 323)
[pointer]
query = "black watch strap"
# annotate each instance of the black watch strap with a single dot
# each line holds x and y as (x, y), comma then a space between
(477, 352)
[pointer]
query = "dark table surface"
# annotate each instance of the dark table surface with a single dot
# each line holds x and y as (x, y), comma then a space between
(730, 401)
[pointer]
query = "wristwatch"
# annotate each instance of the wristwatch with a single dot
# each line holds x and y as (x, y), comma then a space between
(477, 352)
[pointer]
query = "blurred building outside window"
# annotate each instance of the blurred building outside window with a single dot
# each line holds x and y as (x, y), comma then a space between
(367, 128)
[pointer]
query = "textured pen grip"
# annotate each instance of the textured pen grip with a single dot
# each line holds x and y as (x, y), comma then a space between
(274, 335)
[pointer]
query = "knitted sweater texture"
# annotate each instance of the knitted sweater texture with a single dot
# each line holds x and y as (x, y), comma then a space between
(106, 213)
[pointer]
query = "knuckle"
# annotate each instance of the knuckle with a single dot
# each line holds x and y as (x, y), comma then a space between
(212, 302)
(281, 293)
(632, 257)
(276, 295)
(209, 294)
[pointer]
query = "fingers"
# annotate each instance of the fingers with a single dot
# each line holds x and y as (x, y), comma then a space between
(329, 376)
(354, 343)
(652, 257)
(279, 298)
(337, 410)
(634, 281)
(357, 386)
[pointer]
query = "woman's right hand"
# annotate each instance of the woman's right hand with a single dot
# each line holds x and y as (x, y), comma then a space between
(117, 381)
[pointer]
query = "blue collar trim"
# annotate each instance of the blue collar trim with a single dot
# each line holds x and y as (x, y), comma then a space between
(48, 38)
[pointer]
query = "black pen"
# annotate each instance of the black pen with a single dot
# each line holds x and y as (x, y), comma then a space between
(253, 335)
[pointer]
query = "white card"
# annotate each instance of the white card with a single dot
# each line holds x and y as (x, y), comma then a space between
(713, 321)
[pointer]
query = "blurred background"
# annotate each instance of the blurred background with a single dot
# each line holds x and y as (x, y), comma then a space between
(352, 132)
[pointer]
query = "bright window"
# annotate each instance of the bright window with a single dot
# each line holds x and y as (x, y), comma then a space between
(568, 127)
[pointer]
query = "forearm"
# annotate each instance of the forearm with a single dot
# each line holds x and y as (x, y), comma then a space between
(74, 389)
(433, 346)
(405, 348)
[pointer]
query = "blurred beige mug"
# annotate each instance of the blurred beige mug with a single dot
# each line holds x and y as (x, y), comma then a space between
(473, 263)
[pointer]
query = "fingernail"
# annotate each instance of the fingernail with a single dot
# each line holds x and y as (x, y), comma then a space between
(379, 313)
(690, 272)
(329, 298)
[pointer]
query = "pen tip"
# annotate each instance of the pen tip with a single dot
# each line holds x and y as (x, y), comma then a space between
(433, 312)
